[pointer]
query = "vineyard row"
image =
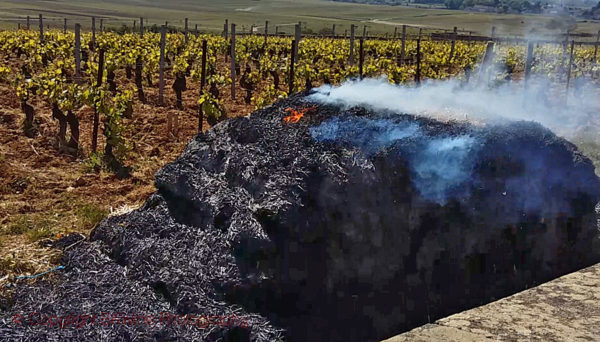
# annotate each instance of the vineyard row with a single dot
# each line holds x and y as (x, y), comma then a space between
(69, 70)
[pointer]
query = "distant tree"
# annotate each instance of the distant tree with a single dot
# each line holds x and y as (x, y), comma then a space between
(453, 4)
(429, 1)
(593, 12)
(536, 7)
(515, 5)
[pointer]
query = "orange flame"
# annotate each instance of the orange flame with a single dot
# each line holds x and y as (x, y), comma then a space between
(296, 115)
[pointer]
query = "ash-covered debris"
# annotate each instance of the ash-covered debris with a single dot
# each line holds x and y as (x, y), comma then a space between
(348, 225)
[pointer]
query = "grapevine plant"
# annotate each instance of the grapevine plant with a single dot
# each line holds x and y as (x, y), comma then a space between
(45, 71)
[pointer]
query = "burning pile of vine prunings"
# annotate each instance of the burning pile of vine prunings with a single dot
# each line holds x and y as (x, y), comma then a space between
(311, 221)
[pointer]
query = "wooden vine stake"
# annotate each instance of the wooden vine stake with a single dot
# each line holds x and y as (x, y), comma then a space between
(595, 47)
(41, 29)
(233, 76)
(93, 32)
(141, 27)
(569, 71)
(487, 61)
(565, 43)
(298, 37)
(351, 61)
(28, 25)
(528, 62)
(453, 44)
(185, 31)
(161, 75)
(202, 83)
(77, 53)
(65, 26)
(361, 58)
(418, 73)
(96, 114)
(226, 35)
(266, 31)
(291, 78)
(403, 46)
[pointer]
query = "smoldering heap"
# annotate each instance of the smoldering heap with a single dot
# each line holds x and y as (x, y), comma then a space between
(346, 225)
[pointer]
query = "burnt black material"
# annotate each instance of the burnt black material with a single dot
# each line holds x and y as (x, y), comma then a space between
(328, 239)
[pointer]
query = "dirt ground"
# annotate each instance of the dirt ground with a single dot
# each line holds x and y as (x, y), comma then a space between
(45, 194)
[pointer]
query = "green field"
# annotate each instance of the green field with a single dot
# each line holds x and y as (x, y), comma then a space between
(315, 14)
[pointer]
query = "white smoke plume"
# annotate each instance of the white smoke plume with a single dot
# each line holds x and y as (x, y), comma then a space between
(455, 100)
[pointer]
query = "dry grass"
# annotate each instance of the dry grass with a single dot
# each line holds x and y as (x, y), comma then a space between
(20, 249)
(22, 257)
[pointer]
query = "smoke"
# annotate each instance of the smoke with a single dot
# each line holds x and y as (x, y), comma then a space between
(454, 100)
(439, 164)
(443, 165)
(369, 135)
(547, 29)
(443, 159)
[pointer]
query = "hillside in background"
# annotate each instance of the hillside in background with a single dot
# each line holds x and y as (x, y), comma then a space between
(316, 16)
(574, 7)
